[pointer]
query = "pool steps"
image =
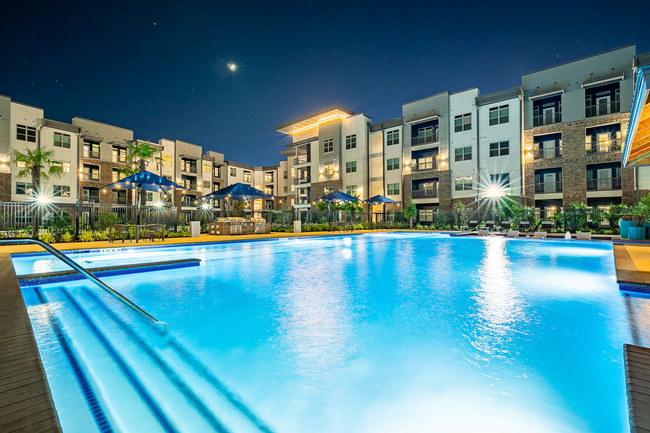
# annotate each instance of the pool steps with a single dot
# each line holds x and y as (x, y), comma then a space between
(106, 271)
(144, 381)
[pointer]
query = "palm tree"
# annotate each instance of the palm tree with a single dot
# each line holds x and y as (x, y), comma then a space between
(37, 163)
(140, 154)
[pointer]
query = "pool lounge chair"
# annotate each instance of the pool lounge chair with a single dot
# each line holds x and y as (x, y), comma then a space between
(483, 232)
(512, 234)
(583, 236)
(546, 225)
(472, 225)
(539, 235)
(489, 225)
(505, 225)
(524, 226)
(119, 230)
(155, 231)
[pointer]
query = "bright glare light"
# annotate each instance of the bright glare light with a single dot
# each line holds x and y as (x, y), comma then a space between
(205, 206)
(495, 191)
(43, 199)
(158, 203)
(232, 66)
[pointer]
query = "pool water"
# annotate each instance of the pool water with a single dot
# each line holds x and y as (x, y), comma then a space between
(364, 333)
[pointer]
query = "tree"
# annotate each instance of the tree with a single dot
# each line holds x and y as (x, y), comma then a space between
(140, 154)
(410, 212)
(37, 163)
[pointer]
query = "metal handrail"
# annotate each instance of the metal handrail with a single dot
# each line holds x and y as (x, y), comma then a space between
(161, 326)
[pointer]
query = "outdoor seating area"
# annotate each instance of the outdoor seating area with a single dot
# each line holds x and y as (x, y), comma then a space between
(239, 226)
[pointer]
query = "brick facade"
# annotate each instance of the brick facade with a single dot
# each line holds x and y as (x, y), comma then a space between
(5, 186)
(318, 189)
(444, 186)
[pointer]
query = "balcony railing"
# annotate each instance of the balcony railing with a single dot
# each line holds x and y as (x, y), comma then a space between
(612, 145)
(90, 154)
(303, 200)
(602, 109)
(547, 119)
(119, 200)
(302, 159)
(424, 193)
(424, 139)
(548, 153)
(424, 164)
(604, 184)
(303, 179)
(548, 187)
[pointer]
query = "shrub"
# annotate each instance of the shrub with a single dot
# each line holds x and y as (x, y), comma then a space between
(101, 235)
(66, 237)
(86, 236)
(47, 237)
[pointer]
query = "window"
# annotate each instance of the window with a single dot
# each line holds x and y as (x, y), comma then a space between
(25, 133)
(23, 188)
(206, 184)
(248, 177)
(328, 189)
(119, 197)
(268, 177)
(351, 189)
(286, 189)
(463, 184)
(351, 167)
(90, 173)
(351, 142)
(65, 165)
(119, 154)
(166, 159)
(392, 164)
(463, 153)
(21, 164)
(293, 172)
(61, 191)
(502, 179)
(328, 170)
(216, 186)
(286, 174)
(117, 174)
(233, 171)
(547, 111)
(328, 146)
(90, 194)
(463, 122)
(393, 188)
(392, 137)
(167, 176)
(90, 149)
(149, 196)
(500, 148)
(602, 100)
(500, 114)
(188, 165)
(217, 171)
(268, 189)
(61, 140)
(547, 146)
(188, 182)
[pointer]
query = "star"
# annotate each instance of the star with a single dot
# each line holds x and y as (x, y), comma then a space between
(232, 66)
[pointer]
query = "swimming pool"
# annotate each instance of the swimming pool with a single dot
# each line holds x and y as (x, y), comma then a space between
(365, 333)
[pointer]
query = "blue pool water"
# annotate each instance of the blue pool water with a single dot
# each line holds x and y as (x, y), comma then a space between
(369, 333)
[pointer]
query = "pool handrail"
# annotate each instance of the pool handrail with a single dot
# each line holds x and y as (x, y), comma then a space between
(163, 327)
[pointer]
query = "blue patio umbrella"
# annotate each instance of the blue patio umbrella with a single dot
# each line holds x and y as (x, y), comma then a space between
(237, 191)
(338, 196)
(379, 200)
(147, 181)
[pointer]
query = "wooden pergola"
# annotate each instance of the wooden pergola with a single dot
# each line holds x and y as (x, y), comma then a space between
(636, 151)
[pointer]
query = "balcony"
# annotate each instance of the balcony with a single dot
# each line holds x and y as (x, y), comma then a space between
(549, 153)
(604, 184)
(602, 109)
(303, 200)
(303, 179)
(303, 159)
(547, 119)
(424, 139)
(424, 164)
(605, 146)
(424, 193)
(548, 187)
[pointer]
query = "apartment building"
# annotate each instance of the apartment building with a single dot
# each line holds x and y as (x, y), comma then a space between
(553, 141)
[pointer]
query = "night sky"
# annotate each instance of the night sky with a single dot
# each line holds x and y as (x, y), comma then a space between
(161, 68)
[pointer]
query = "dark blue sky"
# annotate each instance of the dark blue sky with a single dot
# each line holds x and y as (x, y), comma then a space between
(160, 68)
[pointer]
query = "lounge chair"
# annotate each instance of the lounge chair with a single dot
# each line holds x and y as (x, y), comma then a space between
(154, 231)
(472, 224)
(512, 234)
(489, 224)
(583, 236)
(546, 225)
(505, 225)
(483, 232)
(524, 225)
(539, 235)
(120, 230)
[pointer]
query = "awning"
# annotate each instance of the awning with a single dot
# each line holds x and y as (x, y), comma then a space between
(546, 93)
(600, 81)
(636, 150)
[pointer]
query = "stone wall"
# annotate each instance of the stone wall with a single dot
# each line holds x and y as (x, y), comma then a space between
(5, 186)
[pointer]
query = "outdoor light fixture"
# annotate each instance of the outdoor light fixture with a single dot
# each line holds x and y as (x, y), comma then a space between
(43, 199)
(495, 192)
(158, 204)
(205, 206)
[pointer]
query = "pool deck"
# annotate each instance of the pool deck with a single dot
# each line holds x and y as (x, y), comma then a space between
(26, 404)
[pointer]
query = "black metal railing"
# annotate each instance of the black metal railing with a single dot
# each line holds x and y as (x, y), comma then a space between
(611, 145)
(548, 153)
(424, 164)
(604, 184)
(303, 159)
(425, 139)
(424, 193)
(602, 109)
(547, 119)
(303, 179)
(548, 187)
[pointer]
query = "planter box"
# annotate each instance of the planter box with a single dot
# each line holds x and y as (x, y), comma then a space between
(647, 230)
(623, 226)
(636, 233)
